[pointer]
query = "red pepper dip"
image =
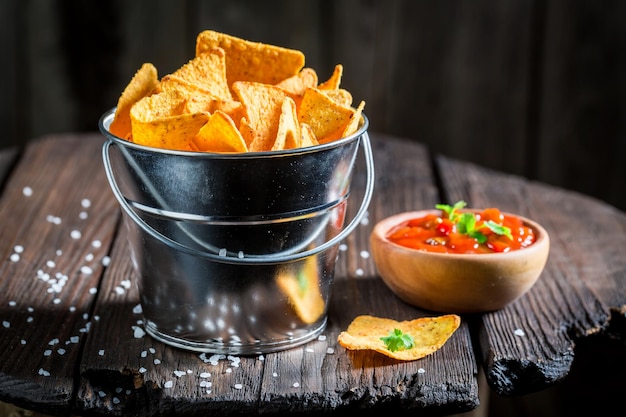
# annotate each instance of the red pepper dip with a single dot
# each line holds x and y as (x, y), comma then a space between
(489, 231)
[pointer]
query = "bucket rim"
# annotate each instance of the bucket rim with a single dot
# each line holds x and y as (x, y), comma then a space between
(107, 118)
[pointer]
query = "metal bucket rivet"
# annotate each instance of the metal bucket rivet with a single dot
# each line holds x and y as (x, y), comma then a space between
(235, 253)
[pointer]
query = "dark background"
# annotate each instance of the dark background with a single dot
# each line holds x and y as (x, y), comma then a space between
(534, 88)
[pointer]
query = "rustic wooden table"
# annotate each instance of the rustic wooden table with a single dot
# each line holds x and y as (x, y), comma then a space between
(69, 326)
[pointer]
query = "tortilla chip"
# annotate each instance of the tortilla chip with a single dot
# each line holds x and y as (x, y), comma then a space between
(356, 121)
(141, 85)
(307, 137)
(220, 134)
(429, 335)
(262, 106)
(339, 96)
(206, 72)
(296, 85)
(335, 79)
(288, 136)
(327, 118)
(252, 61)
(158, 121)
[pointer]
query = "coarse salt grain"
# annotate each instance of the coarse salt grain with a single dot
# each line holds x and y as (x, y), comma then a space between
(330, 351)
(137, 309)
(142, 370)
(519, 332)
(6, 324)
(75, 234)
(106, 261)
(157, 361)
(238, 386)
(27, 191)
(96, 244)
(43, 372)
(359, 272)
(14, 257)
(85, 203)
(18, 248)
(138, 332)
(169, 384)
(180, 373)
(93, 290)
(205, 375)
(86, 270)
(296, 384)
(101, 352)
(365, 254)
(421, 371)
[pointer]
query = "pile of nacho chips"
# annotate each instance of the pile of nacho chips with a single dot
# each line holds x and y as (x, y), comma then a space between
(235, 96)
(429, 334)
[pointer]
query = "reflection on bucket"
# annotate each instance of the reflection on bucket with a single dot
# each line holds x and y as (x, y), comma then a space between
(235, 253)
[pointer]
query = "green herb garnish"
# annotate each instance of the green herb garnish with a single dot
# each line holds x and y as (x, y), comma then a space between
(398, 340)
(466, 222)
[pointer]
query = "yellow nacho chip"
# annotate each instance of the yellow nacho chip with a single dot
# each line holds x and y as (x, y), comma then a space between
(262, 106)
(429, 335)
(296, 85)
(288, 136)
(158, 121)
(307, 137)
(141, 85)
(206, 73)
(327, 118)
(339, 96)
(335, 79)
(220, 134)
(355, 122)
(252, 61)
(303, 291)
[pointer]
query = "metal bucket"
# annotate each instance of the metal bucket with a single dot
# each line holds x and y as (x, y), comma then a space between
(235, 253)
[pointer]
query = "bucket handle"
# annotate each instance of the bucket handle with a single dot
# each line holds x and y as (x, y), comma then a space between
(248, 259)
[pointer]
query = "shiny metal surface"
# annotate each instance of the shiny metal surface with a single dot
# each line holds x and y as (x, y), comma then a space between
(235, 253)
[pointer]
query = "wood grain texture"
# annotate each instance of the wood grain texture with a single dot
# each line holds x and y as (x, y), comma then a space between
(78, 347)
(575, 296)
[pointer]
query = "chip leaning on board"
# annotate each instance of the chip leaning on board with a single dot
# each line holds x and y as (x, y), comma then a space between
(235, 96)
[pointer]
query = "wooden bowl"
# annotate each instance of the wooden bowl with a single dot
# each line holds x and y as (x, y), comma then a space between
(456, 283)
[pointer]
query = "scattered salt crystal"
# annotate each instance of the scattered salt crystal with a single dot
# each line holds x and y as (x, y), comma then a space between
(93, 290)
(75, 234)
(296, 384)
(137, 309)
(138, 332)
(125, 283)
(18, 248)
(14, 257)
(238, 386)
(274, 374)
(119, 390)
(61, 351)
(421, 371)
(144, 354)
(223, 252)
(519, 332)
(96, 244)
(29, 319)
(101, 352)
(157, 361)
(102, 394)
(359, 272)
(27, 191)
(74, 339)
(330, 351)
(54, 341)
(53, 219)
(59, 252)
(152, 350)
(116, 400)
(106, 261)
(321, 338)
(43, 372)
(204, 384)
(89, 257)
(119, 290)
(142, 370)
(85, 203)
(86, 270)
(169, 384)
(56, 301)
(205, 375)
(23, 341)
(51, 264)
(180, 373)
(30, 309)
(82, 215)
(365, 254)
(73, 308)
(47, 352)
(6, 324)
(310, 350)
(343, 247)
